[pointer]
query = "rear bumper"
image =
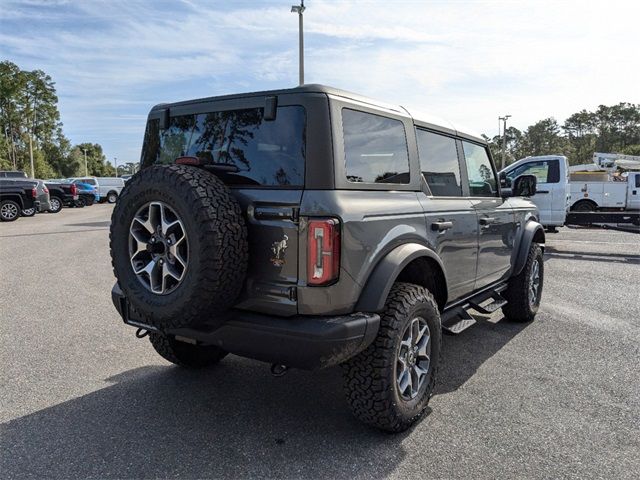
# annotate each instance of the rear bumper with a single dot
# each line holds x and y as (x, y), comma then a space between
(301, 341)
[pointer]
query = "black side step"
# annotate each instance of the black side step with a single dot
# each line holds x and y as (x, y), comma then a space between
(481, 306)
(456, 321)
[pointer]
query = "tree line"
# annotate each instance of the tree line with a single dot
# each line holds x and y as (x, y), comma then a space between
(614, 129)
(30, 125)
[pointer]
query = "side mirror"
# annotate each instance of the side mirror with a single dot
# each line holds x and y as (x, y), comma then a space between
(503, 179)
(525, 186)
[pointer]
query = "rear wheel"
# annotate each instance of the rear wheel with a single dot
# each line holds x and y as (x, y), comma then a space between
(584, 206)
(389, 384)
(525, 289)
(9, 210)
(186, 354)
(56, 204)
(80, 203)
(28, 212)
(112, 197)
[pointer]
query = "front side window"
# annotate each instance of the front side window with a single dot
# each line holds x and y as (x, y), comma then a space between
(375, 148)
(482, 180)
(638, 180)
(250, 150)
(439, 163)
(545, 171)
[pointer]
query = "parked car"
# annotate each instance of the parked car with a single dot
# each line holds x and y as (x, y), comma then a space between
(42, 197)
(87, 193)
(61, 194)
(15, 196)
(109, 188)
(320, 228)
(13, 174)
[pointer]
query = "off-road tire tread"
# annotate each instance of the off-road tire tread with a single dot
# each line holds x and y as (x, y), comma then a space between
(517, 308)
(369, 393)
(184, 354)
(221, 233)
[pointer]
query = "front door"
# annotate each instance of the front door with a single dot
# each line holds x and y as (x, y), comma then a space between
(496, 222)
(551, 191)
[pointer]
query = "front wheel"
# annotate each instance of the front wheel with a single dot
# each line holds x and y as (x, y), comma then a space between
(388, 385)
(525, 289)
(28, 212)
(112, 197)
(186, 354)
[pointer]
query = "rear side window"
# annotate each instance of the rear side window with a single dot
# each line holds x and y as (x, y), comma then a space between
(375, 148)
(638, 180)
(253, 151)
(439, 163)
(482, 179)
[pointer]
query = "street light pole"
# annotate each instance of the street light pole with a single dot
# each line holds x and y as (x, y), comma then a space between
(115, 161)
(504, 138)
(86, 170)
(299, 9)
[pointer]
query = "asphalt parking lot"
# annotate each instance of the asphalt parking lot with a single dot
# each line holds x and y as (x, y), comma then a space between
(81, 397)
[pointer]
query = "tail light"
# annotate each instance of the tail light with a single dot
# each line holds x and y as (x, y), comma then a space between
(34, 192)
(74, 189)
(323, 251)
(45, 190)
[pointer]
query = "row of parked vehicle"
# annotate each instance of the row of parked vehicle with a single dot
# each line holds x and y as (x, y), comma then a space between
(21, 196)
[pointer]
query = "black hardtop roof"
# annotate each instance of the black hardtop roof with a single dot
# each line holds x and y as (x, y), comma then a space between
(428, 120)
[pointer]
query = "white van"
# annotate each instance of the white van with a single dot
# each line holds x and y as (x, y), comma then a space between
(553, 191)
(110, 188)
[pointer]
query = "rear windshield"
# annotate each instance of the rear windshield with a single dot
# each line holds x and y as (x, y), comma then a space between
(252, 151)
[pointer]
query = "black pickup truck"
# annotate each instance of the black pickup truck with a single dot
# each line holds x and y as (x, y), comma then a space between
(62, 194)
(16, 196)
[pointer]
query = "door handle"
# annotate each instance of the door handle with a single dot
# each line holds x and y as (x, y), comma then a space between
(542, 191)
(441, 226)
(487, 220)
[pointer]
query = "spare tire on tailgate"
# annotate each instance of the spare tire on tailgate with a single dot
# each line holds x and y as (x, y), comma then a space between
(178, 246)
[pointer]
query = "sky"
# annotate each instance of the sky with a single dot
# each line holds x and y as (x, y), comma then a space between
(466, 61)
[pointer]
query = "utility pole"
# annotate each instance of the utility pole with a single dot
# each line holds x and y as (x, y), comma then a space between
(33, 128)
(504, 138)
(299, 9)
(115, 161)
(86, 170)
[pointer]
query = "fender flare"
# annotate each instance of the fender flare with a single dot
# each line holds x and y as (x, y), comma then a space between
(530, 230)
(375, 292)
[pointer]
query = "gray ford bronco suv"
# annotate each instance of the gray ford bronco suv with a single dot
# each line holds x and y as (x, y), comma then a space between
(312, 227)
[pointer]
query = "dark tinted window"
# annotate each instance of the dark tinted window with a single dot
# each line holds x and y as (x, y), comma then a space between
(637, 180)
(482, 180)
(253, 151)
(375, 148)
(439, 163)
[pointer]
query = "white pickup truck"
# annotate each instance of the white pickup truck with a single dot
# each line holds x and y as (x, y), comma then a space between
(559, 192)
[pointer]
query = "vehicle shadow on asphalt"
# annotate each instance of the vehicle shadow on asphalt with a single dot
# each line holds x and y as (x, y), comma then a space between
(234, 420)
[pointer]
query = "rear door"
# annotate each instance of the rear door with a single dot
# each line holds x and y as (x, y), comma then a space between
(496, 222)
(262, 161)
(452, 224)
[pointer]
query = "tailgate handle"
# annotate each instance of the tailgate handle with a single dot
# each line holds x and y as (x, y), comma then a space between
(441, 226)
